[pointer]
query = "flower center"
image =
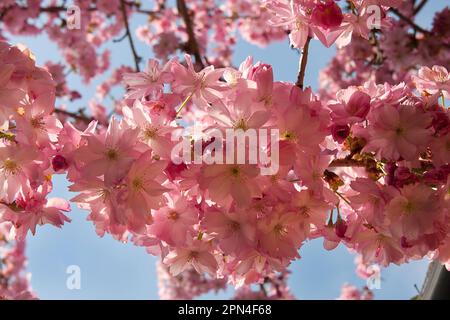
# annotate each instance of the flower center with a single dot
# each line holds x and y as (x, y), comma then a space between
(299, 24)
(399, 131)
(235, 172)
(409, 207)
(112, 154)
(304, 211)
(37, 123)
(280, 230)
(150, 133)
(234, 225)
(241, 124)
(10, 166)
(288, 135)
(192, 255)
(137, 183)
(173, 215)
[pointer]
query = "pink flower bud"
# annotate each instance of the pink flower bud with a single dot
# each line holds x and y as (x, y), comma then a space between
(340, 228)
(263, 75)
(358, 105)
(59, 163)
(173, 170)
(404, 176)
(340, 132)
(327, 15)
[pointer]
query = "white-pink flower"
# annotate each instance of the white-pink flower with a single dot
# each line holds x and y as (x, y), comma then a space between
(396, 132)
(433, 80)
(197, 254)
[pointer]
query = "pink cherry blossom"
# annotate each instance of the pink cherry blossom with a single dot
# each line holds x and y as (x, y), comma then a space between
(204, 86)
(235, 230)
(414, 212)
(436, 79)
(143, 191)
(149, 82)
(230, 182)
(175, 222)
(111, 154)
(196, 254)
(363, 160)
(398, 132)
(34, 209)
(327, 15)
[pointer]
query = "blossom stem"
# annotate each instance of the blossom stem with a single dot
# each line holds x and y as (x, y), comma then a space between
(137, 59)
(302, 64)
(330, 219)
(343, 198)
(443, 100)
(184, 103)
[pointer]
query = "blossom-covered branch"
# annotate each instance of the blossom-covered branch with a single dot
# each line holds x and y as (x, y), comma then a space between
(362, 162)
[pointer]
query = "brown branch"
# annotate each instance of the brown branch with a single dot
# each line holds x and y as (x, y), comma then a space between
(137, 59)
(120, 39)
(409, 22)
(79, 115)
(302, 64)
(192, 44)
(346, 163)
(420, 6)
(151, 13)
(263, 289)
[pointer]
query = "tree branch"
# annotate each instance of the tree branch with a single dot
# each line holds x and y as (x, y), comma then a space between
(76, 115)
(192, 41)
(137, 59)
(346, 163)
(420, 6)
(409, 21)
(302, 64)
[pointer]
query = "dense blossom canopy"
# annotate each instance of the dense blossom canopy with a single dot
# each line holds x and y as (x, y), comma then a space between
(363, 162)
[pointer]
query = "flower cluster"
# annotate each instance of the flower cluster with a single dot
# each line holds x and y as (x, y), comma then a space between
(188, 285)
(368, 169)
(363, 163)
(14, 283)
(326, 21)
(349, 292)
(29, 132)
(388, 56)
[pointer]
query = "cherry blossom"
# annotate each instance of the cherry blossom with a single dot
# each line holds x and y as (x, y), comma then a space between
(363, 160)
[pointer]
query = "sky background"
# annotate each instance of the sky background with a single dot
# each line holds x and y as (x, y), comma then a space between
(113, 270)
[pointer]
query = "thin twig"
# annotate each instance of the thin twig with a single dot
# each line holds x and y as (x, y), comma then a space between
(57, 9)
(76, 115)
(410, 22)
(137, 59)
(150, 13)
(263, 289)
(302, 64)
(192, 41)
(346, 163)
(120, 39)
(343, 198)
(420, 6)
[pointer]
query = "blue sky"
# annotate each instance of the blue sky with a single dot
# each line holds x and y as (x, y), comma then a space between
(112, 270)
